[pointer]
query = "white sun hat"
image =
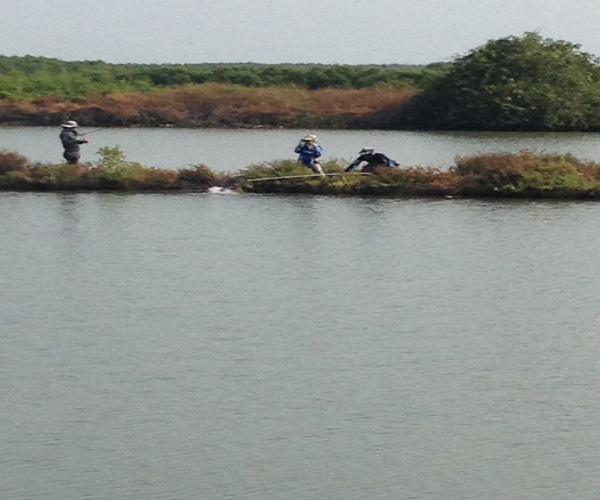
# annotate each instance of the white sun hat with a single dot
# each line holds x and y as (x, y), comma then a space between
(70, 124)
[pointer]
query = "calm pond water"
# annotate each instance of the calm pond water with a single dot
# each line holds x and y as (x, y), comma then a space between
(264, 347)
(232, 150)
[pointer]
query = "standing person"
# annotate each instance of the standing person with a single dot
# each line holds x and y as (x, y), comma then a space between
(373, 160)
(309, 151)
(71, 140)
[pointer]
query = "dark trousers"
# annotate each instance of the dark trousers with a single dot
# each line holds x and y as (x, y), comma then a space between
(72, 157)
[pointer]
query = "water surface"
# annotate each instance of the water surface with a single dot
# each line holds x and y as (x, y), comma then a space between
(226, 347)
(232, 150)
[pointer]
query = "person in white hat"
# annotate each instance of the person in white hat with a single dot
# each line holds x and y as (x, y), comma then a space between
(71, 140)
(309, 151)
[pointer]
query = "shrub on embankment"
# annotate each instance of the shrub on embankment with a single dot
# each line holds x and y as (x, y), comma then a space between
(386, 181)
(112, 173)
(506, 175)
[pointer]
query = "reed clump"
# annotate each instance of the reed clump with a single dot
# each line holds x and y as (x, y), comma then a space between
(527, 174)
(12, 162)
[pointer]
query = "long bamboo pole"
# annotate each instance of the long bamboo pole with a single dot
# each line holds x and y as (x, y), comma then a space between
(304, 176)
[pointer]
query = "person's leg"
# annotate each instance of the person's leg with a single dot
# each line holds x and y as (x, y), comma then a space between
(369, 168)
(317, 168)
(72, 157)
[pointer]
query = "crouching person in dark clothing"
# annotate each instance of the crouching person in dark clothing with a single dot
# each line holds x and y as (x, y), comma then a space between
(373, 160)
(71, 140)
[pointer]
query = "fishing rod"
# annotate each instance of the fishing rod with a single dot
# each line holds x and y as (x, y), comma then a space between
(93, 131)
(304, 176)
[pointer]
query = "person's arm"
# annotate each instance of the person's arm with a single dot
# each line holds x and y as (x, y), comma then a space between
(354, 164)
(389, 162)
(71, 138)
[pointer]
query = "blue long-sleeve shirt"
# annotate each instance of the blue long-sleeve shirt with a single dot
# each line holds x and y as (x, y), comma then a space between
(308, 155)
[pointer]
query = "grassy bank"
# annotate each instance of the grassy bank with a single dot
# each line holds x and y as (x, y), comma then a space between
(112, 173)
(520, 175)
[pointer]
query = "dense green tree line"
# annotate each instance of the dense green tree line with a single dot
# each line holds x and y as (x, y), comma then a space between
(35, 77)
(513, 83)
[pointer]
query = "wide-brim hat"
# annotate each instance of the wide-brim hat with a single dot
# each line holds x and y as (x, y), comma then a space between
(69, 124)
(311, 138)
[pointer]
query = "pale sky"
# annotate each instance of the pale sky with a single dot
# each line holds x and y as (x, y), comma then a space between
(278, 31)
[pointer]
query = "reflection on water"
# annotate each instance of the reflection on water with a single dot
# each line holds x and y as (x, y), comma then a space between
(198, 346)
(232, 150)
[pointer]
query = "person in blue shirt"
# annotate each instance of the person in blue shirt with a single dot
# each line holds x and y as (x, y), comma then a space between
(373, 160)
(310, 152)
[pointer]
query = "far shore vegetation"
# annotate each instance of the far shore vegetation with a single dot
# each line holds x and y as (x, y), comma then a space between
(41, 91)
(501, 175)
(516, 83)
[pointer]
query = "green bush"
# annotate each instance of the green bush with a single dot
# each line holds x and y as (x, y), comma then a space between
(526, 172)
(514, 83)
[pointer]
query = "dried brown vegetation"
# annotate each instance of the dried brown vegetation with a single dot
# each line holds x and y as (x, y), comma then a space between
(213, 104)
